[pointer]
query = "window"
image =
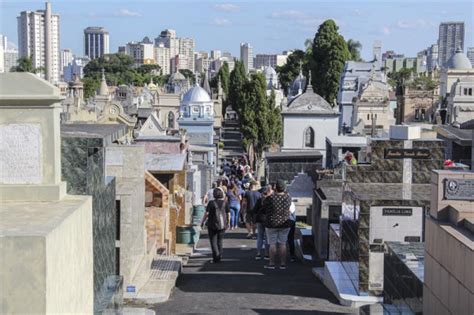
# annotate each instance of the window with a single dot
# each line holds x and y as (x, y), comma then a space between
(171, 120)
(309, 138)
(423, 114)
(465, 91)
(417, 114)
(470, 92)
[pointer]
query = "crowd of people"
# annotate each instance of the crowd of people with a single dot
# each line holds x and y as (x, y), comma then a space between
(267, 212)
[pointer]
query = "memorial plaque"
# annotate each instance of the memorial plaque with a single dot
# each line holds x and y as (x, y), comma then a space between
(420, 154)
(397, 211)
(459, 189)
(114, 157)
(20, 154)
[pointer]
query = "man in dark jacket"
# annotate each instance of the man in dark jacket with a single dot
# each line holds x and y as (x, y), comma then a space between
(277, 223)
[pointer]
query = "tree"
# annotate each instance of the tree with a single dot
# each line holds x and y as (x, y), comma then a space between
(275, 119)
(25, 64)
(119, 69)
(188, 74)
(289, 71)
(399, 78)
(222, 76)
(329, 56)
(354, 47)
(237, 81)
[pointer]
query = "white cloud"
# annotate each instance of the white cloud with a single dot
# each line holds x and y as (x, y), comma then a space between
(226, 7)
(221, 22)
(419, 23)
(386, 30)
(127, 13)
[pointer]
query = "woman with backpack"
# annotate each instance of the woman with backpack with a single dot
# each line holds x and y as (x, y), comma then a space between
(218, 216)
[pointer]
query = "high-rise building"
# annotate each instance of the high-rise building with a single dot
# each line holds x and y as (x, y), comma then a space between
(66, 59)
(38, 38)
(451, 37)
(10, 59)
(432, 58)
(96, 42)
(162, 58)
(75, 67)
(186, 48)
(3, 42)
(246, 55)
(141, 52)
(264, 60)
(169, 40)
(216, 54)
(470, 55)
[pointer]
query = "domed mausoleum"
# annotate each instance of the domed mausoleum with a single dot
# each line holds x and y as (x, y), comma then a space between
(196, 115)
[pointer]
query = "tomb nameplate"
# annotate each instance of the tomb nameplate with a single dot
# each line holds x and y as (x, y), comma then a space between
(407, 154)
(397, 211)
(20, 154)
(459, 189)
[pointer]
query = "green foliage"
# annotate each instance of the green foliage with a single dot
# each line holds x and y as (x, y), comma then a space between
(397, 79)
(260, 121)
(237, 81)
(25, 64)
(354, 47)
(275, 121)
(403, 77)
(119, 69)
(424, 83)
(90, 86)
(188, 74)
(289, 71)
(330, 52)
(222, 76)
(149, 69)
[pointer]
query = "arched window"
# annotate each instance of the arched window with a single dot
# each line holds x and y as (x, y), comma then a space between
(309, 138)
(171, 120)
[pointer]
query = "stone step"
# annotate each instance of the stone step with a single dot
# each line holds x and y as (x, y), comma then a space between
(163, 275)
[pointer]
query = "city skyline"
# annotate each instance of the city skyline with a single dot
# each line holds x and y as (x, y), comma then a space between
(270, 28)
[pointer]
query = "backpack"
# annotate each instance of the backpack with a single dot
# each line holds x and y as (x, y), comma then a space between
(219, 220)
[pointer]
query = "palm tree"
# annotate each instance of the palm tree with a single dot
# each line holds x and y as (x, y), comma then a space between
(354, 47)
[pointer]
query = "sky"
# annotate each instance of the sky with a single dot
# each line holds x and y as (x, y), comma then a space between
(404, 26)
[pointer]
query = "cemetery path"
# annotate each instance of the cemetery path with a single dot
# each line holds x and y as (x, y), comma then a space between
(240, 285)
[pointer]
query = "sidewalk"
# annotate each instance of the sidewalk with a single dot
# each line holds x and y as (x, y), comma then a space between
(240, 285)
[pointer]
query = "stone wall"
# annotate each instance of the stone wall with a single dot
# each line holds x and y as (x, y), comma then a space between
(83, 168)
(412, 100)
(381, 170)
(126, 163)
(287, 169)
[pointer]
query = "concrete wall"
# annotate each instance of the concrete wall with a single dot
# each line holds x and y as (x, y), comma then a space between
(449, 278)
(294, 131)
(126, 162)
(47, 265)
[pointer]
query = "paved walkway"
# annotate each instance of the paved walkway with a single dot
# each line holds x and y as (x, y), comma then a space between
(240, 285)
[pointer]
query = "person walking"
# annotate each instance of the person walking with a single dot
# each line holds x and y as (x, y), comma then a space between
(234, 198)
(291, 235)
(218, 216)
(209, 196)
(259, 214)
(250, 197)
(277, 223)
